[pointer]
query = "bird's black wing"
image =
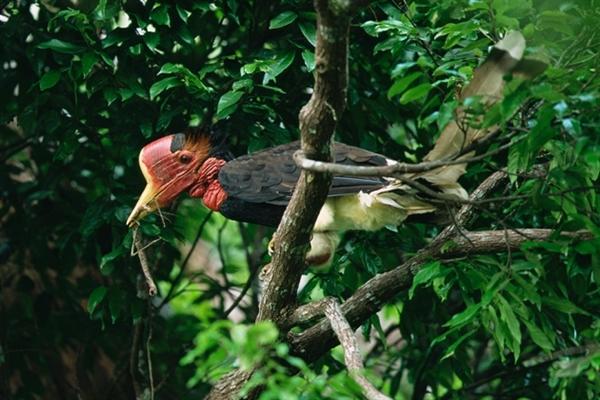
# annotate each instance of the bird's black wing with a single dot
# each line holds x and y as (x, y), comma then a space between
(269, 176)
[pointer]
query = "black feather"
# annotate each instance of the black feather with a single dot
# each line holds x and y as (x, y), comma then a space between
(269, 176)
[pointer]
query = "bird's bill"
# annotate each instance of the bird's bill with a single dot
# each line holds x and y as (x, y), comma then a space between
(146, 204)
(169, 165)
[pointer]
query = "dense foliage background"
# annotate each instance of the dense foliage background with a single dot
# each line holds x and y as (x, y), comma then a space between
(85, 84)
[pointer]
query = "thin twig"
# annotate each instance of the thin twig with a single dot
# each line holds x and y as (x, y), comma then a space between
(186, 260)
(352, 356)
(148, 353)
(133, 360)
(397, 168)
(139, 244)
(568, 352)
(253, 266)
(221, 253)
(254, 261)
(532, 362)
(240, 297)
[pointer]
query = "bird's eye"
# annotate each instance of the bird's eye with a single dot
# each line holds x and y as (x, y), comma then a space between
(185, 159)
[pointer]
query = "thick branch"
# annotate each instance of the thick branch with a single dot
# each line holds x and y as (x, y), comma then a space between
(495, 241)
(383, 288)
(318, 119)
(307, 312)
(369, 298)
(354, 363)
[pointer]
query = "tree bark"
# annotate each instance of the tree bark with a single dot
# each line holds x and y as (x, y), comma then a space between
(383, 288)
(318, 119)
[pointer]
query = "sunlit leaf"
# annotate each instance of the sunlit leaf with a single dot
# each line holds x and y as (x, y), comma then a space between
(283, 19)
(61, 46)
(164, 84)
(49, 80)
(415, 93)
(228, 103)
(96, 298)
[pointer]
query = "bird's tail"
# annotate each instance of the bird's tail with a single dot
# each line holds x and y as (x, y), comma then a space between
(487, 84)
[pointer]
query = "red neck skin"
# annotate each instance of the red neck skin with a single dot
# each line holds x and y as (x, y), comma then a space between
(207, 186)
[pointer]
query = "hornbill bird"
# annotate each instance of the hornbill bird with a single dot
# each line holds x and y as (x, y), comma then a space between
(256, 188)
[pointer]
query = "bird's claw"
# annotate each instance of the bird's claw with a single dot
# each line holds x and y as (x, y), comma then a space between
(271, 247)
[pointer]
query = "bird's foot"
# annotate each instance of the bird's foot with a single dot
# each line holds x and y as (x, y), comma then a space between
(271, 247)
(265, 274)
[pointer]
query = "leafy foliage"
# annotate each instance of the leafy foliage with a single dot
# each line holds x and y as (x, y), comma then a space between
(86, 84)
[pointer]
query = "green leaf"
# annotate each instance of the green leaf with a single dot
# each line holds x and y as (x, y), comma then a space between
(228, 103)
(116, 37)
(152, 40)
(538, 336)
(543, 130)
(545, 91)
(446, 114)
(243, 84)
(558, 21)
(88, 61)
(452, 348)
(170, 68)
(160, 15)
(425, 275)
(495, 284)
(278, 66)
(183, 14)
(415, 93)
(309, 60)
(563, 305)
(188, 78)
(116, 303)
(464, 317)
(493, 326)
(283, 19)
(309, 31)
(402, 84)
(49, 80)
(508, 316)
(96, 298)
(377, 324)
(106, 259)
(61, 46)
(162, 85)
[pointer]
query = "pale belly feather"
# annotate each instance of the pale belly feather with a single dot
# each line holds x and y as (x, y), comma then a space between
(368, 211)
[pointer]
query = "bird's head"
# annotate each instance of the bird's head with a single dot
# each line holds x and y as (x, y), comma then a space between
(171, 166)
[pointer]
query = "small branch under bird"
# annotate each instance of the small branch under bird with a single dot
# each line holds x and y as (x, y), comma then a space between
(256, 188)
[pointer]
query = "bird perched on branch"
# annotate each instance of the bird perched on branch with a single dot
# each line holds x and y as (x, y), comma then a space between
(256, 188)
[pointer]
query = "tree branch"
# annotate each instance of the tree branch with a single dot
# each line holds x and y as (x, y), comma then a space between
(383, 288)
(308, 312)
(354, 363)
(402, 168)
(141, 253)
(317, 119)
